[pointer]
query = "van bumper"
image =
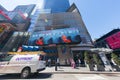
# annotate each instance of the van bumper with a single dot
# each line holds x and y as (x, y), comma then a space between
(41, 69)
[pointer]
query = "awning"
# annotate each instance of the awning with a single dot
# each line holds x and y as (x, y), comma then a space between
(107, 50)
(30, 48)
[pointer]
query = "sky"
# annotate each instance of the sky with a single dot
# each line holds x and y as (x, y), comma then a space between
(99, 16)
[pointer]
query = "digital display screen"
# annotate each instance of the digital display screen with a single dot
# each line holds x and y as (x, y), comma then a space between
(114, 41)
(58, 36)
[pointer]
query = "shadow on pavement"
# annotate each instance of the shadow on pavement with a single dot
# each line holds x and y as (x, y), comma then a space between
(9, 76)
(41, 76)
(32, 76)
(114, 75)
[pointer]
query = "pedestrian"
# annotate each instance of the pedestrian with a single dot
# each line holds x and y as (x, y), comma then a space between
(114, 64)
(79, 62)
(73, 63)
(66, 62)
(49, 62)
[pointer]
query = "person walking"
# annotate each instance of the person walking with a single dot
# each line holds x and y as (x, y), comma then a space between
(79, 62)
(49, 62)
(73, 63)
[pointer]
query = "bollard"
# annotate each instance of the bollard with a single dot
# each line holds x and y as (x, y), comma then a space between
(55, 66)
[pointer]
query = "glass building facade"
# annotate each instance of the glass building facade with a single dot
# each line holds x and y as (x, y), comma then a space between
(56, 6)
(6, 31)
(35, 17)
(26, 10)
(15, 41)
(2, 8)
(51, 27)
(16, 17)
(20, 18)
(51, 23)
(21, 13)
(58, 29)
(3, 16)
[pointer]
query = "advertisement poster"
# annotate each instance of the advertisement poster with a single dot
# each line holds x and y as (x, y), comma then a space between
(61, 36)
(114, 41)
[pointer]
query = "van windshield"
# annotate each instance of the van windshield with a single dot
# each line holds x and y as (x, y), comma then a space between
(5, 57)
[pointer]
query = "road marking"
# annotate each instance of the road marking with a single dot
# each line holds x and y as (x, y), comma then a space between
(94, 77)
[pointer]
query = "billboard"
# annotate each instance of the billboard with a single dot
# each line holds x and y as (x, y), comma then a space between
(58, 36)
(114, 41)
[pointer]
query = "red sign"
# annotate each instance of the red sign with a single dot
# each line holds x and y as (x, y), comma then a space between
(114, 40)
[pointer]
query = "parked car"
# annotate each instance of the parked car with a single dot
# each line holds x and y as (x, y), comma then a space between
(22, 64)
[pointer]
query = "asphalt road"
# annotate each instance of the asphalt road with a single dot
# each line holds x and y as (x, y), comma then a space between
(32, 76)
(50, 76)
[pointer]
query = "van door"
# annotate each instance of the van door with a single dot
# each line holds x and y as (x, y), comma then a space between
(4, 62)
(42, 62)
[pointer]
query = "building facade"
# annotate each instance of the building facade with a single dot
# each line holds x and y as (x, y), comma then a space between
(26, 10)
(58, 30)
(109, 40)
(16, 40)
(3, 16)
(61, 34)
(35, 17)
(6, 30)
(2, 8)
(56, 6)
(20, 17)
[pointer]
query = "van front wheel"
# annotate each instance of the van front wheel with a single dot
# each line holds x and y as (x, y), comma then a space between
(36, 73)
(25, 73)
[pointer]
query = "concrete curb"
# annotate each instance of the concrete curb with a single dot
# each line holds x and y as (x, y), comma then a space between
(82, 72)
(69, 70)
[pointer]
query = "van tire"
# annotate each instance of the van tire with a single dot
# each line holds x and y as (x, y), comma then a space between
(36, 73)
(25, 73)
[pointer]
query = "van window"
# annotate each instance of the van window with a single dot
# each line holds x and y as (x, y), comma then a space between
(5, 57)
(41, 57)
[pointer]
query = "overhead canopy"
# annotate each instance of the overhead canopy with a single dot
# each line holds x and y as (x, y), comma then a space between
(107, 50)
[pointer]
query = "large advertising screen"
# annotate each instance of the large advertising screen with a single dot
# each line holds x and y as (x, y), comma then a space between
(58, 36)
(114, 41)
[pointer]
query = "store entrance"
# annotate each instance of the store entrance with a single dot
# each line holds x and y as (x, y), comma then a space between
(78, 57)
(51, 53)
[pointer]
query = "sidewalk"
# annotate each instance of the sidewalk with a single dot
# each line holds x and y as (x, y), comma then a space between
(70, 70)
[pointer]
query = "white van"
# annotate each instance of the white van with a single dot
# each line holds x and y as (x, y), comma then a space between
(23, 64)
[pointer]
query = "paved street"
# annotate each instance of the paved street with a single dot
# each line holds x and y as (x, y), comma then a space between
(67, 73)
(48, 76)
